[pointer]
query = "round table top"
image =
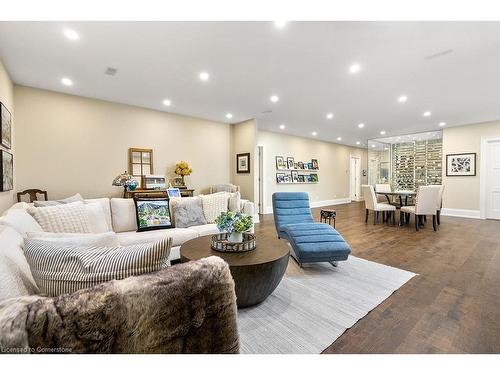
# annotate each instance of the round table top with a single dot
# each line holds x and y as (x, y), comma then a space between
(200, 248)
(402, 192)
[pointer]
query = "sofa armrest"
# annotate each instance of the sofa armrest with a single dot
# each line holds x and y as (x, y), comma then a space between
(247, 207)
(187, 308)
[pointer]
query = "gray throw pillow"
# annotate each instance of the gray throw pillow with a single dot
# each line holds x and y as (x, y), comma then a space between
(74, 198)
(187, 212)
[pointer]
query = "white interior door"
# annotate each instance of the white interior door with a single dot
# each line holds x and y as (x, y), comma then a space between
(355, 178)
(493, 180)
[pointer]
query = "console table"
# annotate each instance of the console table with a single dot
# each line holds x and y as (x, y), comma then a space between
(155, 193)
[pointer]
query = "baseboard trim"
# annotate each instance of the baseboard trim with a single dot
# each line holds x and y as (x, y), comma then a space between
(469, 214)
(330, 202)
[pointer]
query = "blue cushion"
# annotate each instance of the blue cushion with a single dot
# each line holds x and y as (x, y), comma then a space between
(291, 208)
(316, 242)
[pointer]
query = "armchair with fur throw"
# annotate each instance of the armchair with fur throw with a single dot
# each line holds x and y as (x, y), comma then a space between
(187, 308)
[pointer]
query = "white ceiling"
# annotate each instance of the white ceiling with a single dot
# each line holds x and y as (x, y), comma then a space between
(305, 64)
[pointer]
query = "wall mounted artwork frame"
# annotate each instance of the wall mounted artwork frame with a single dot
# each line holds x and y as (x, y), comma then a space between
(461, 164)
(6, 171)
(280, 163)
(5, 126)
(243, 163)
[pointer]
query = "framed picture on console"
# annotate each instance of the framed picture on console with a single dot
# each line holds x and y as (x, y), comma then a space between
(6, 171)
(6, 126)
(243, 163)
(461, 164)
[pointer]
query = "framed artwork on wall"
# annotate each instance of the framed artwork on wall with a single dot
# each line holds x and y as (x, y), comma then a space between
(461, 164)
(315, 164)
(295, 176)
(6, 171)
(280, 162)
(6, 126)
(280, 178)
(290, 162)
(243, 163)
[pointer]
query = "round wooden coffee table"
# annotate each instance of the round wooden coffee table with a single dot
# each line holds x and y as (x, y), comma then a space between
(256, 273)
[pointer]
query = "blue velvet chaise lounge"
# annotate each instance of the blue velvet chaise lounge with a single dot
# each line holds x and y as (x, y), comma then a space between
(310, 241)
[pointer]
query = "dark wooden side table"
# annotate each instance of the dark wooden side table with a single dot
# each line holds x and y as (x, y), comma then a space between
(256, 273)
(326, 216)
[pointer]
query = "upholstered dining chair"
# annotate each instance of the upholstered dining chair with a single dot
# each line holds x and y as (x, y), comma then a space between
(371, 204)
(426, 203)
(439, 204)
(230, 188)
(32, 194)
(383, 188)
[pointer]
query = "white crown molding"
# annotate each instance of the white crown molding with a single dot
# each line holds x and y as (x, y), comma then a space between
(469, 214)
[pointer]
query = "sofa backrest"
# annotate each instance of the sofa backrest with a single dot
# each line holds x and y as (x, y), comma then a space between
(291, 208)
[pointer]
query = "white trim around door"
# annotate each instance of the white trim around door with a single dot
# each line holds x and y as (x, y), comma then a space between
(483, 173)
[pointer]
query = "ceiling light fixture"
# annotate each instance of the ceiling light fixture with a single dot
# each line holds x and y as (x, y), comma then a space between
(71, 34)
(67, 82)
(314, 133)
(229, 115)
(382, 132)
(427, 113)
(373, 146)
(358, 142)
(361, 126)
(339, 138)
(274, 98)
(442, 123)
(280, 24)
(402, 99)
(204, 76)
(354, 68)
(329, 116)
(282, 126)
(167, 102)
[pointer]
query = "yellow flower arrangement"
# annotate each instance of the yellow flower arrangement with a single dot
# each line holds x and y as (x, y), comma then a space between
(182, 169)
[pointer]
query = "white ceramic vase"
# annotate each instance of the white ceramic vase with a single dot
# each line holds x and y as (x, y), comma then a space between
(235, 237)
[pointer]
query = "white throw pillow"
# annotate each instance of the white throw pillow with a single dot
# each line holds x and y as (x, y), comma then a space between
(21, 221)
(123, 215)
(234, 204)
(74, 198)
(214, 204)
(96, 218)
(106, 207)
(58, 270)
(64, 218)
(108, 239)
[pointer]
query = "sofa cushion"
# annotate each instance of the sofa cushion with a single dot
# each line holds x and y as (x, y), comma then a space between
(205, 230)
(96, 217)
(15, 275)
(214, 204)
(123, 215)
(21, 221)
(64, 218)
(106, 208)
(58, 270)
(187, 212)
(76, 239)
(234, 203)
(74, 198)
(178, 235)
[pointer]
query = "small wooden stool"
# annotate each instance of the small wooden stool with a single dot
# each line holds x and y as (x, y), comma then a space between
(327, 216)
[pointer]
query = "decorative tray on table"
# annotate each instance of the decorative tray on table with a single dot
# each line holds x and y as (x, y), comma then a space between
(221, 243)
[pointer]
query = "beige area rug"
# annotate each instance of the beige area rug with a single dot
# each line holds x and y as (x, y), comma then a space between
(308, 312)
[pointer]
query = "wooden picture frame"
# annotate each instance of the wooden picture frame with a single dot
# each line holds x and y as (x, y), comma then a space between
(461, 164)
(5, 126)
(290, 162)
(140, 161)
(6, 171)
(243, 163)
(280, 163)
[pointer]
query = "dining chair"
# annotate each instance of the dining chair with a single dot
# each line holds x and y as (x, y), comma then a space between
(383, 188)
(426, 203)
(439, 204)
(32, 194)
(371, 204)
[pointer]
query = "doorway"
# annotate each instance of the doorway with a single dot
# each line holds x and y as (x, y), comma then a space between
(355, 178)
(260, 204)
(491, 186)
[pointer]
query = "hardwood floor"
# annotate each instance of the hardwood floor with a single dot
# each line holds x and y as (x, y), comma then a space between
(452, 306)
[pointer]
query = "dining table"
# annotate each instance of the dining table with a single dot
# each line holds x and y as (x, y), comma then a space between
(401, 193)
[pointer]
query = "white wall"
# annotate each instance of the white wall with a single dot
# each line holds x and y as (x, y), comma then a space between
(67, 144)
(243, 140)
(7, 198)
(334, 164)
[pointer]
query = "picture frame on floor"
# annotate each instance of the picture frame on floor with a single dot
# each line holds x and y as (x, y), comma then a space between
(461, 164)
(280, 163)
(5, 126)
(6, 171)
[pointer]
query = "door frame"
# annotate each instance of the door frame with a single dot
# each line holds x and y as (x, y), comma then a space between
(358, 192)
(260, 179)
(482, 173)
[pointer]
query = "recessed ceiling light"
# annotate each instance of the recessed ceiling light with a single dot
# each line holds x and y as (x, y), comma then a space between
(329, 116)
(361, 126)
(67, 82)
(358, 142)
(280, 24)
(354, 68)
(204, 76)
(427, 113)
(274, 98)
(373, 146)
(71, 34)
(167, 102)
(386, 148)
(314, 133)
(402, 99)
(229, 115)
(282, 126)
(442, 123)
(382, 132)
(339, 138)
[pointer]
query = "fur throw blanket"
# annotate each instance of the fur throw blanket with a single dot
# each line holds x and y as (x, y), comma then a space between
(187, 308)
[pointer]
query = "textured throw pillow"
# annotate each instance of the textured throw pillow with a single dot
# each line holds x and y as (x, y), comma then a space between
(64, 218)
(74, 198)
(187, 212)
(213, 205)
(152, 213)
(21, 221)
(234, 202)
(76, 239)
(97, 218)
(58, 270)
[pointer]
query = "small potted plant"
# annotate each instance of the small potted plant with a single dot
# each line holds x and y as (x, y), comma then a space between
(234, 223)
(182, 169)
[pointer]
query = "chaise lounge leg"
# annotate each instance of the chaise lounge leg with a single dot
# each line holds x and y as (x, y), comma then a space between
(334, 263)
